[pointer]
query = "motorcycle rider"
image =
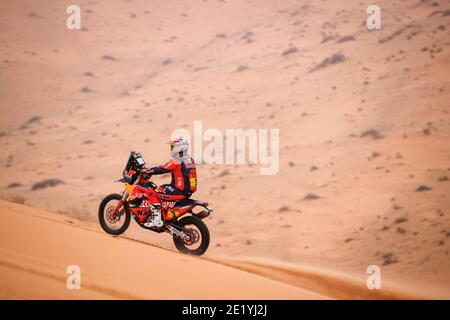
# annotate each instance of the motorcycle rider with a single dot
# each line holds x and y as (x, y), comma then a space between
(184, 177)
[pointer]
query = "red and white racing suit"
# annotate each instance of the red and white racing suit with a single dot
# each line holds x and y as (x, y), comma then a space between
(184, 178)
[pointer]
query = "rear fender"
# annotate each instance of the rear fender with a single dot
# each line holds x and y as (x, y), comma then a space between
(204, 213)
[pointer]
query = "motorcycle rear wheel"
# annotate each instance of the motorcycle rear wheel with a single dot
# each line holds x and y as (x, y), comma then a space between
(102, 215)
(185, 223)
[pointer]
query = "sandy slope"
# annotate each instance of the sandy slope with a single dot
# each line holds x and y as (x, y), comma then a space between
(174, 62)
(37, 246)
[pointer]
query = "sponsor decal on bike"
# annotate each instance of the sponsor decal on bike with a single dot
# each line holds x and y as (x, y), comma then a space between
(168, 204)
(146, 204)
(171, 214)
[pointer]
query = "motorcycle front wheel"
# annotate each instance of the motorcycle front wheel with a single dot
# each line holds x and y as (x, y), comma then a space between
(198, 236)
(120, 222)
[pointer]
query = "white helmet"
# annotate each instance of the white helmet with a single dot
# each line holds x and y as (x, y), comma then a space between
(179, 147)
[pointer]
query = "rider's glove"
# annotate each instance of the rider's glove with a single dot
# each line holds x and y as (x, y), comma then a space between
(146, 172)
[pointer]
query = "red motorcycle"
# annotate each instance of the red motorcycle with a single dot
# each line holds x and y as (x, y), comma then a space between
(142, 197)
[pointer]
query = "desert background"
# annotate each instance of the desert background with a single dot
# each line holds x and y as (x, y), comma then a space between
(364, 132)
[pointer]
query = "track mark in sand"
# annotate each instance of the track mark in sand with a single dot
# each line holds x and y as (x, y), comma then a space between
(333, 286)
(89, 286)
(327, 285)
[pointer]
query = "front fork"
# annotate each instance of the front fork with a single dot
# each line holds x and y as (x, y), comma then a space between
(124, 199)
(119, 206)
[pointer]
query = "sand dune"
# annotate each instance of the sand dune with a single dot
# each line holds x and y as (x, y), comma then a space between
(37, 247)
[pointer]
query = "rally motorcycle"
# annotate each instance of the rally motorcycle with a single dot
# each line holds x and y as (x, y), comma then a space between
(142, 197)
